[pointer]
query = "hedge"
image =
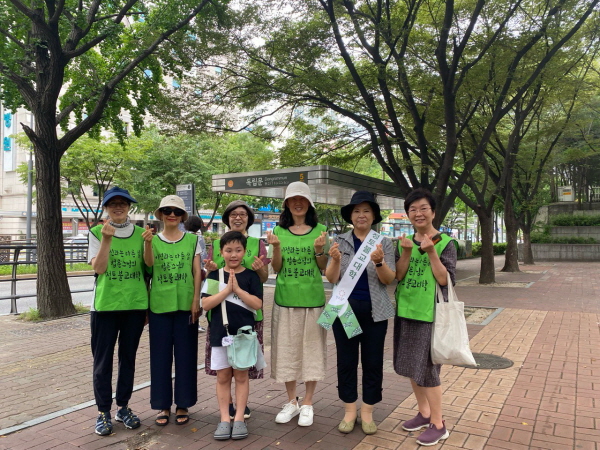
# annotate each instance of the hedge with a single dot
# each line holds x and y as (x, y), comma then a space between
(543, 238)
(568, 220)
(499, 249)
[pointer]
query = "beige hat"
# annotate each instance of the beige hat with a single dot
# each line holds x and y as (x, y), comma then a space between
(298, 188)
(173, 201)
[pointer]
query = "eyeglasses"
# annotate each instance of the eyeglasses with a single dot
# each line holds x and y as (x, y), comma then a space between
(117, 204)
(242, 215)
(422, 210)
(167, 211)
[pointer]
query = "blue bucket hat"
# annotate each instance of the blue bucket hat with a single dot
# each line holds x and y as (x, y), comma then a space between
(117, 192)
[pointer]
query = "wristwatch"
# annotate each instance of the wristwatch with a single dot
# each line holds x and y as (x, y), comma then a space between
(379, 264)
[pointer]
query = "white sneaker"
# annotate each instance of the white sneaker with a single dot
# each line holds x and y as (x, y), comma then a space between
(289, 411)
(306, 416)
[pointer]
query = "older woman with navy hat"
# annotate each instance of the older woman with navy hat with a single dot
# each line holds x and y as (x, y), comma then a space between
(362, 264)
(119, 306)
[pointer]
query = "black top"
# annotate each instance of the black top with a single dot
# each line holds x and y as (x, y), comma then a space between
(238, 316)
(361, 288)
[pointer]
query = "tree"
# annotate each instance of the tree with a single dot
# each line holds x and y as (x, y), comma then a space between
(409, 75)
(82, 60)
(95, 164)
(191, 159)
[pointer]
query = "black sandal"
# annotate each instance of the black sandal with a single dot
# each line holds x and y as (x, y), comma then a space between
(164, 417)
(185, 416)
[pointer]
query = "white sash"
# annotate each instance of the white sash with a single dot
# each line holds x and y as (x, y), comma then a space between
(344, 288)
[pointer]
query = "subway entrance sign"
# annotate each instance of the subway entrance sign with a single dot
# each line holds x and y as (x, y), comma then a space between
(264, 181)
(328, 185)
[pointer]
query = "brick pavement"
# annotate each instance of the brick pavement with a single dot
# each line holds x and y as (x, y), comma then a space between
(549, 399)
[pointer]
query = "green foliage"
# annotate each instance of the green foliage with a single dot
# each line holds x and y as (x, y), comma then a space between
(569, 220)
(499, 248)
(166, 161)
(544, 238)
(32, 315)
(23, 269)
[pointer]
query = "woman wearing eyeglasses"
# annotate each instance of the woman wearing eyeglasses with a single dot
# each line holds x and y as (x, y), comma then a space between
(423, 259)
(238, 216)
(174, 309)
(119, 307)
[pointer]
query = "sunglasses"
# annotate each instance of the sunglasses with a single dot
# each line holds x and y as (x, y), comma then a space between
(167, 211)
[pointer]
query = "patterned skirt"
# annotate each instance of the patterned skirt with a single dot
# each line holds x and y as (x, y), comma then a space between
(412, 352)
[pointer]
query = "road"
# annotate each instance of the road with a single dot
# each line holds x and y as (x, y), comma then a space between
(28, 287)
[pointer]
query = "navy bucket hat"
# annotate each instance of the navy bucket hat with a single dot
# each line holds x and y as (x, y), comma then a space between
(358, 198)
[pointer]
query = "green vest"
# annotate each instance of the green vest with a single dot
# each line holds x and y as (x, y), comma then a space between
(122, 286)
(252, 250)
(299, 282)
(172, 277)
(415, 293)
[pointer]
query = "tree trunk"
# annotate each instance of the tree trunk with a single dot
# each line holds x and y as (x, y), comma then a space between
(511, 257)
(487, 273)
(527, 251)
(53, 293)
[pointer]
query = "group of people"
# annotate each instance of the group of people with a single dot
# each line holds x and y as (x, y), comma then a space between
(360, 263)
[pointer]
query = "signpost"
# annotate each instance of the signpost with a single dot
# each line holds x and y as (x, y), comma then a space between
(188, 193)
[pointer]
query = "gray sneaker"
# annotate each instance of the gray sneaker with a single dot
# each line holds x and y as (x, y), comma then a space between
(416, 423)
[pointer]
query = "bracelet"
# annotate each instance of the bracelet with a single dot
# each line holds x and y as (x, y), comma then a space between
(379, 264)
(319, 254)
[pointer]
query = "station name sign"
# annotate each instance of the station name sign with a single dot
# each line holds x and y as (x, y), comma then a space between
(265, 181)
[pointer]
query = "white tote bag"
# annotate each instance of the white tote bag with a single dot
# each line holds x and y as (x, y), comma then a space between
(450, 340)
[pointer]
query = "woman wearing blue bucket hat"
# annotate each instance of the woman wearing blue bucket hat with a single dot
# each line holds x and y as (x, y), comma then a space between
(119, 307)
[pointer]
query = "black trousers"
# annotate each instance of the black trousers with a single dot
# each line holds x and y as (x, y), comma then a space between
(107, 327)
(371, 343)
(173, 335)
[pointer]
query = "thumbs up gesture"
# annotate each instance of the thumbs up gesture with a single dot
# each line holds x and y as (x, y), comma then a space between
(147, 234)
(377, 255)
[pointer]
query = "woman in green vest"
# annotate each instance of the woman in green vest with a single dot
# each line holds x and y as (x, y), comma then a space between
(298, 343)
(174, 310)
(119, 307)
(238, 216)
(423, 259)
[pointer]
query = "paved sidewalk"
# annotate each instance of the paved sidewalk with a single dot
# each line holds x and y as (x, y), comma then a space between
(549, 398)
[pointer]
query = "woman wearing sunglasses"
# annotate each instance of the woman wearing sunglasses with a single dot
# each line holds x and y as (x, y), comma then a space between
(238, 216)
(174, 257)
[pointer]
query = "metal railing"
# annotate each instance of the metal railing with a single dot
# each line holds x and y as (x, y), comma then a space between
(16, 255)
